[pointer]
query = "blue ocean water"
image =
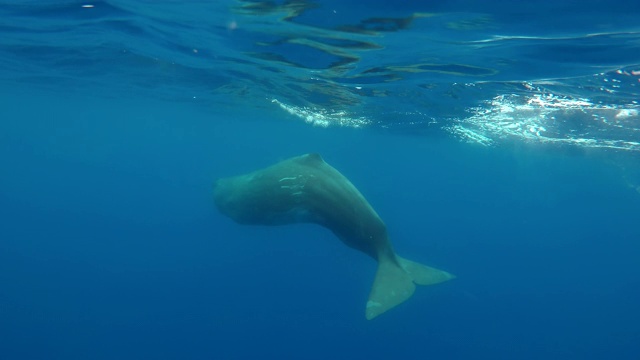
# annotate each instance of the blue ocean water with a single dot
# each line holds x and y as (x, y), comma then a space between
(499, 142)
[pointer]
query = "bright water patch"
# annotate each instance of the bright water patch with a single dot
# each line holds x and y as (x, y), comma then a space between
(485, 74)
(551, 119)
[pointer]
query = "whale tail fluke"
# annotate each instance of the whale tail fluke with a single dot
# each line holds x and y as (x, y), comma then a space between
(396, 281)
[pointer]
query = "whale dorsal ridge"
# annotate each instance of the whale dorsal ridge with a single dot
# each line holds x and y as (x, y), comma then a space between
(312, 159)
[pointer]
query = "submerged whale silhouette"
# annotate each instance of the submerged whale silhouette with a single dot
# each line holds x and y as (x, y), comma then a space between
(307, 189)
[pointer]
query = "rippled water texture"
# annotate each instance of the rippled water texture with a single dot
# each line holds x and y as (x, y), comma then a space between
(547, 72)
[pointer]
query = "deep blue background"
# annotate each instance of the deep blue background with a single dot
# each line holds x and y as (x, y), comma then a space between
(111, 246)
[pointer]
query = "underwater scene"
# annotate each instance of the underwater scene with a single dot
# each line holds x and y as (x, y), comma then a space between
(319, 179)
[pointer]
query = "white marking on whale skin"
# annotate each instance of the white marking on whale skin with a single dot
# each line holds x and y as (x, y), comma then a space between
(294, 187)
(297, 188)
(371, 304)
(289, 178)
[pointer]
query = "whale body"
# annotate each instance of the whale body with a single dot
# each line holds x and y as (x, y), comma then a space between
(307, 189)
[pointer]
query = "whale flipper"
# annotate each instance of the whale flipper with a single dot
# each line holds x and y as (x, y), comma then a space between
(396, 281)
